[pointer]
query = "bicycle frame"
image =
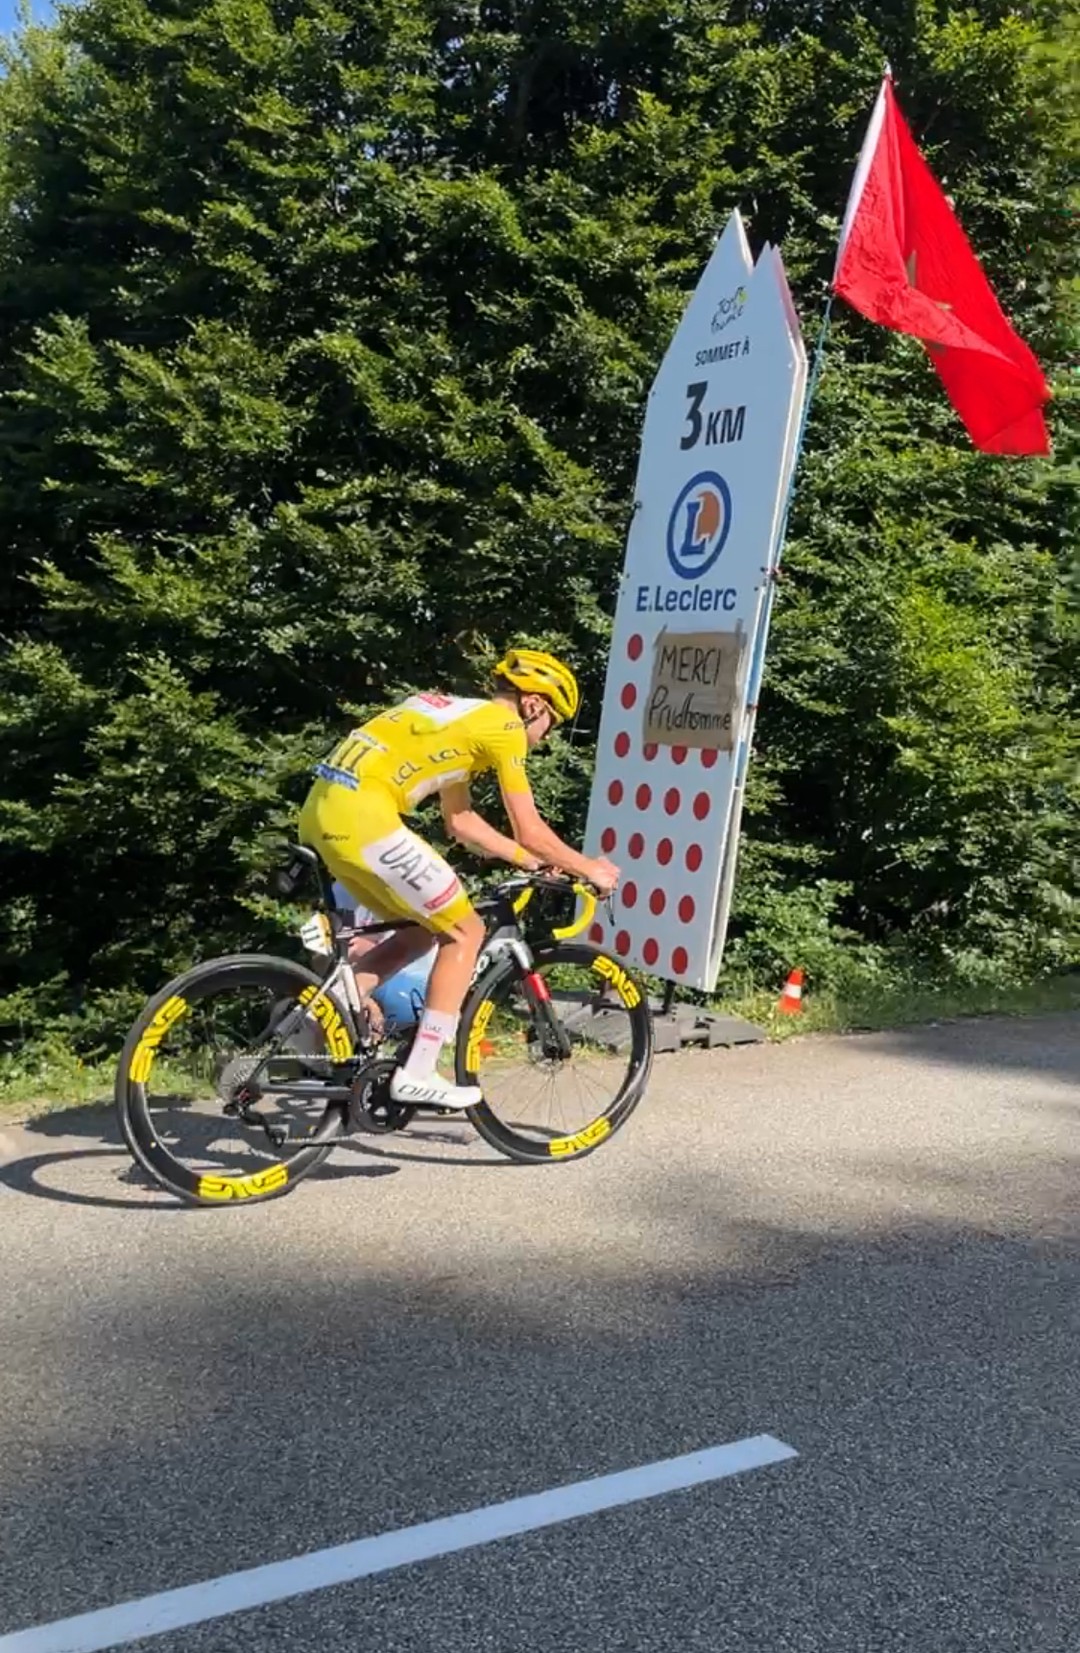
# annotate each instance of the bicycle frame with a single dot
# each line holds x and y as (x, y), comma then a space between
(338, 992)
(502, 912)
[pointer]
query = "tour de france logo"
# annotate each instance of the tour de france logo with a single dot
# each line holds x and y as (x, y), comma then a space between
(729, 310)
(698, 525)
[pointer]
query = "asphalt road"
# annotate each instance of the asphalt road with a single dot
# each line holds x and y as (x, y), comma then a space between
(866, 1247)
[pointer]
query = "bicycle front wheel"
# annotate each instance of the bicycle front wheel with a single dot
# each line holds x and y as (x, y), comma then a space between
(204, 1109)
(562, 1052)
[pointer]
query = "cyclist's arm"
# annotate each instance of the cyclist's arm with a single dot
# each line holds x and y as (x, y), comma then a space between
(535, 836)
(468, 828)
(506, 753)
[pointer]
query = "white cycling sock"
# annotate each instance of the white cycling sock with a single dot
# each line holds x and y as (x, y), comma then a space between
(434, 1032)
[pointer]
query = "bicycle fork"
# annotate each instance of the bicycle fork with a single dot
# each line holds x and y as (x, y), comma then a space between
(553, 1038)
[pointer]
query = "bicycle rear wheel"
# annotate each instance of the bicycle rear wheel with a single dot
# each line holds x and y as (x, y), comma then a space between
(200, 1045)
(562, 1053)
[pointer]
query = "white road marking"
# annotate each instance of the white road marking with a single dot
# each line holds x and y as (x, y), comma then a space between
(278, 1580)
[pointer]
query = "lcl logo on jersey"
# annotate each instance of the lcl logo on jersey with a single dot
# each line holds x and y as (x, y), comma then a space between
(699, 525)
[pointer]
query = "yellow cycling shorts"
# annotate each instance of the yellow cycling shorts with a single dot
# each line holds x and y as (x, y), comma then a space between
(364, 843)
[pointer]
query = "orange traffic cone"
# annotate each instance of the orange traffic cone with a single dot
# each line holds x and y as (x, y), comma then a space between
(791, 998)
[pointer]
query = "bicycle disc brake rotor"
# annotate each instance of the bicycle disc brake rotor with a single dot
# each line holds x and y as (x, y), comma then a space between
(542, 1046)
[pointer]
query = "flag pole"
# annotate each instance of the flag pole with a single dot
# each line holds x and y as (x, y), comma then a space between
(758, 662)
(812, 384)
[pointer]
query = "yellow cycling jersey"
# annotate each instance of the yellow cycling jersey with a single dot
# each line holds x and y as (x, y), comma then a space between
(426, 743)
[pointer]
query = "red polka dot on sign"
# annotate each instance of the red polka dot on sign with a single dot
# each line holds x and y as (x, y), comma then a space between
(672, 800)
(649, 750)
(615, 792)
(643, 796)
(628, 696)
(665, 849)
(635, 646)
(622, 744)
(622, 942)
(635, 846)
(608, 840)
(709, 757)
(657, 902)
(678, 754)
(687, 909)
(629, 895)
(702, 805)
(679, 960)
(597, 934)
(693, 857)
(651, 951)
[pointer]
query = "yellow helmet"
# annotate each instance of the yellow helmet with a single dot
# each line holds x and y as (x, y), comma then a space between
(533, 672)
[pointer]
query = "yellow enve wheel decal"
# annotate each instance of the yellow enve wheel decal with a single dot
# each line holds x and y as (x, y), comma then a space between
(588, 1138)
(146, 1049)
(474, 1049)
(242, 1188)
(326, 1013)
(623, 984)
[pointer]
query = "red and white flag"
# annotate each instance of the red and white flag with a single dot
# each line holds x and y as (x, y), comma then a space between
(905, 262)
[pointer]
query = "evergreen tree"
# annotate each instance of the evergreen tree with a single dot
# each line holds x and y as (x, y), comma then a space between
(327, 330)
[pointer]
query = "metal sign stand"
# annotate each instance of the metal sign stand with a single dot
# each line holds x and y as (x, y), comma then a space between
(678, 1025)
(674, 1025)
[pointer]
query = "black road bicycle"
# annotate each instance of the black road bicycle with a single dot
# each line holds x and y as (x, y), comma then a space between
(238, 1077)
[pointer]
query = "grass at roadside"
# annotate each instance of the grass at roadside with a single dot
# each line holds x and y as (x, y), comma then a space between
(870, 1006)
(60, 1080)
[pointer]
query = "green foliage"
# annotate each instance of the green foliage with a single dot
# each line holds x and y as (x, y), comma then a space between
(326, 334)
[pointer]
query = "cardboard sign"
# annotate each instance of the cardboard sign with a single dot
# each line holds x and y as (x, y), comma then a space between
(695, 693)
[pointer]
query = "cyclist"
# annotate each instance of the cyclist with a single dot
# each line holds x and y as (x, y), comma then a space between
(435, 743)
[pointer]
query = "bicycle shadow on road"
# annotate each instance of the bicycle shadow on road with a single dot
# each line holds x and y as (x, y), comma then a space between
(90, 1135)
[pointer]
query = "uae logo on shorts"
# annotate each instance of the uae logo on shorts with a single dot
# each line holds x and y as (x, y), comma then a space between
(699, 525)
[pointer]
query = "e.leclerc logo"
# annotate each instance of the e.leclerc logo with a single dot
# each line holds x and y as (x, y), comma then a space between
(699, 525)
(697, 530)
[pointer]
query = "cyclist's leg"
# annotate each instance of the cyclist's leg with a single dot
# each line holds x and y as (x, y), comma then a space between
(366, 845)
(376, 961)
(393, 877)
(336, 823)
(457, 950)
(399, 948)
(451, 974)
(412, 876)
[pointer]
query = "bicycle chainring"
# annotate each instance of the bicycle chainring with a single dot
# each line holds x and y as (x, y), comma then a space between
(371, 1107)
